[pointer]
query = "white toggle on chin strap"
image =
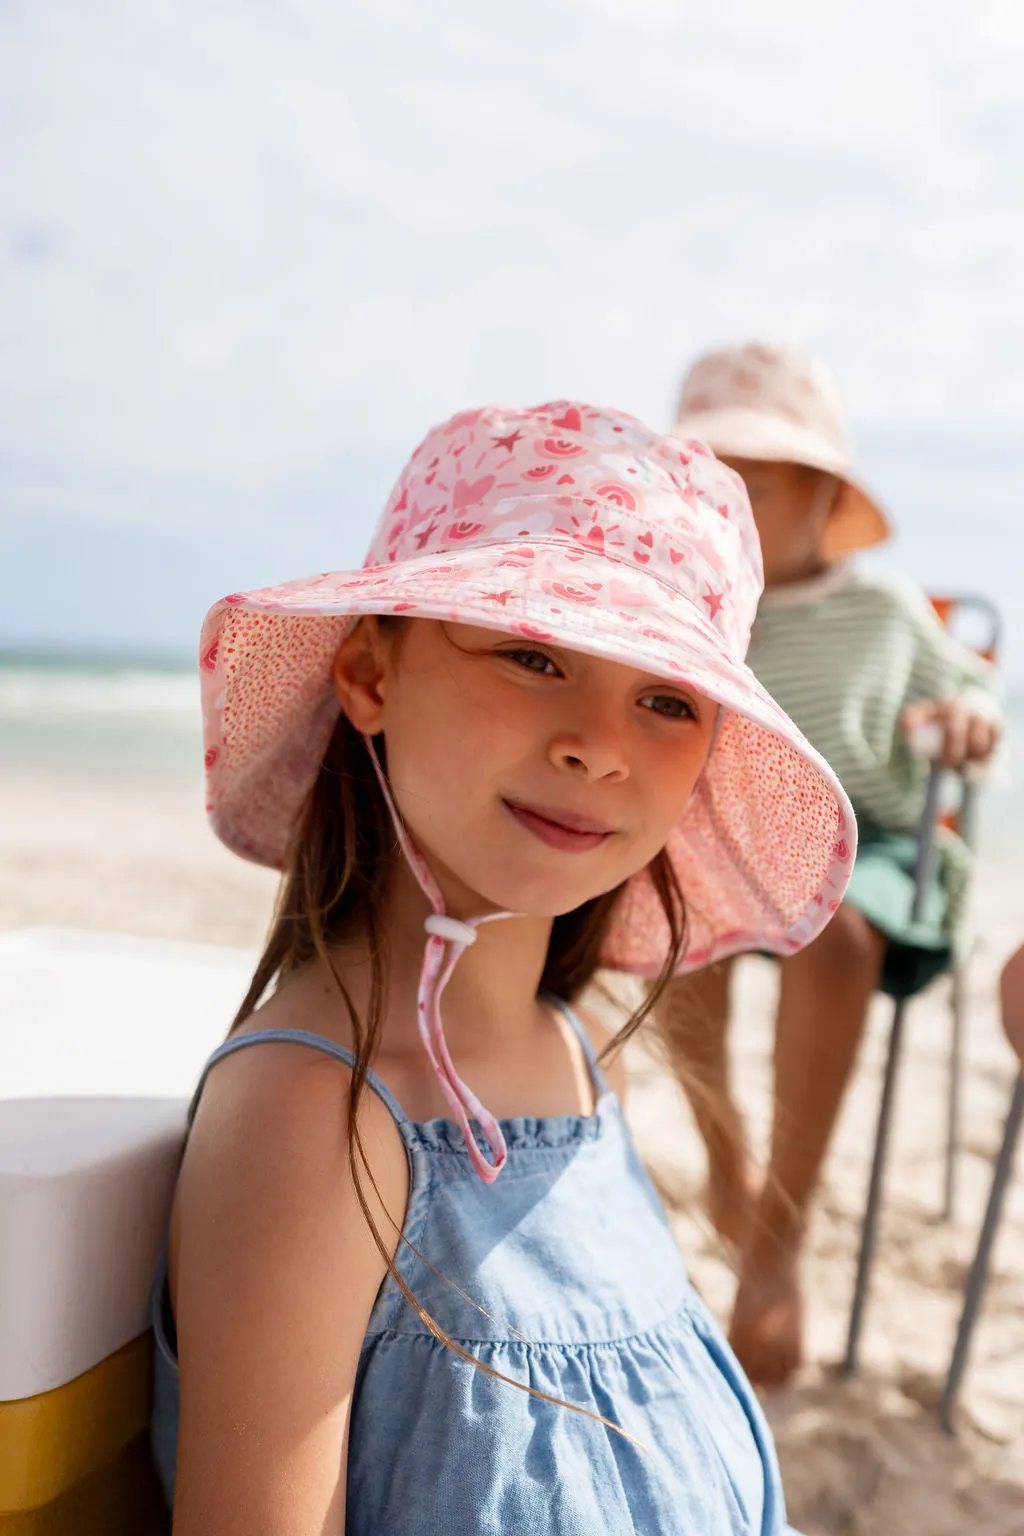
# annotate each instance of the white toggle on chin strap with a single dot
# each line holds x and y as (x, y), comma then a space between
(450, 928)
(444, 931)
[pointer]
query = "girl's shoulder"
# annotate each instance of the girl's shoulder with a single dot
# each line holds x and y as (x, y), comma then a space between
(880, 592)
(273, 1114)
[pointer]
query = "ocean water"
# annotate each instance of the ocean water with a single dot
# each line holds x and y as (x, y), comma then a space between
(139, 719)
(131, 717)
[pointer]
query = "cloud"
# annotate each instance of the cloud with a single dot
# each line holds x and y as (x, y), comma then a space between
(248, 246)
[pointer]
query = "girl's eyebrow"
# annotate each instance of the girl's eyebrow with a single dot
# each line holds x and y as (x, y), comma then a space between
(669, 683)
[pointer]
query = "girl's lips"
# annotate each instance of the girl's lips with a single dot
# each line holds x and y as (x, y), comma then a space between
(578, 838)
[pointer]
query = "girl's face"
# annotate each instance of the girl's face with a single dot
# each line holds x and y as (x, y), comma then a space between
(792, 505)
(531, 777)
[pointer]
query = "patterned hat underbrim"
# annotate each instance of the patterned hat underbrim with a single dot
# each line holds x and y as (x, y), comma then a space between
(763, 851)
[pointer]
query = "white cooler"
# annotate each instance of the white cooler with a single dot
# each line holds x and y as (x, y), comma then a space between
(102, 1039)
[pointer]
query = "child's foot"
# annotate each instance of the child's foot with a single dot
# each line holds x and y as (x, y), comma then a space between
(767, 1321)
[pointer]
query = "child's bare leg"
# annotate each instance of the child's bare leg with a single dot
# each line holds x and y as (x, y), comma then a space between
(823, 1006)
(1011, 997)
(692, 1020)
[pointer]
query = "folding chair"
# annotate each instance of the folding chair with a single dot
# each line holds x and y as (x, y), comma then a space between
(949, 610)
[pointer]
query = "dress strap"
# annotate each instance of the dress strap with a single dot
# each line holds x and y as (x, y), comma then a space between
(580, 1030)
(294, 1037)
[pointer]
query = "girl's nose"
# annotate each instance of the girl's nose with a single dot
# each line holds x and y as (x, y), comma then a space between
(596, 756)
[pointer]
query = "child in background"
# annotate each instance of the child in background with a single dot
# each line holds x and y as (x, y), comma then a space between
(485, 766)
(860, 662)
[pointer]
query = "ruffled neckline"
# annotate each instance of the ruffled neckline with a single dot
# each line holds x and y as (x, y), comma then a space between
(522, 1133)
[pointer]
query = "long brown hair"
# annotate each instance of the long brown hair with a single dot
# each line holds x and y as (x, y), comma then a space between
(335, 884)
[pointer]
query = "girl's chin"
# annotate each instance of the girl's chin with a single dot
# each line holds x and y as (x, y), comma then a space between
(538, 900)
(549, 887)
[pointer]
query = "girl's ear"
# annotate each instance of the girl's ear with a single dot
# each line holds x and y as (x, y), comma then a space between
(360, 672)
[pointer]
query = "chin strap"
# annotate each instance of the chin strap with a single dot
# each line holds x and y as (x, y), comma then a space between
(447, 940)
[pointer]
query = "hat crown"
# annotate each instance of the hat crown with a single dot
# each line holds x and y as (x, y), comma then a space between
(597, 481)
(778, 381)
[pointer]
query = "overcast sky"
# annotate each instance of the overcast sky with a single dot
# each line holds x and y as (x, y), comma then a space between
(249, 251)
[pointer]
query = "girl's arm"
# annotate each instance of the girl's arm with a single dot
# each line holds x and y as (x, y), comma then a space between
(274, 1276)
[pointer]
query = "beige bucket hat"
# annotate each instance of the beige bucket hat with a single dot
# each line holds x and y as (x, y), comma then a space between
(764, 402)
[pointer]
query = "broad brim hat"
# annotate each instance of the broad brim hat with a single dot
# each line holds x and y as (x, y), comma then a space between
(777, 404)
(578, 526)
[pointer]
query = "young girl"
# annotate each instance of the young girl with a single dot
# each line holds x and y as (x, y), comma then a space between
(520, 743)
(858, 661)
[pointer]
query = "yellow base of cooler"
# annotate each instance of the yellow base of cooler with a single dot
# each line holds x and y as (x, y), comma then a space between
(121, 1499)
(75, 1461)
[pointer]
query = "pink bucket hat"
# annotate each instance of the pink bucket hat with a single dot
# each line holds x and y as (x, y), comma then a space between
(775, 403)
(584, 527)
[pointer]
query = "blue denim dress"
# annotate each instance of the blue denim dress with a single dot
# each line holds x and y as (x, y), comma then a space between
(563, 1275)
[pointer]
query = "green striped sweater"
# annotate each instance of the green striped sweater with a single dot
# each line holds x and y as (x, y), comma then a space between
(844, 654)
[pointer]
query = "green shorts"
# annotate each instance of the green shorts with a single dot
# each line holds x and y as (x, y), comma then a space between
(882, 887)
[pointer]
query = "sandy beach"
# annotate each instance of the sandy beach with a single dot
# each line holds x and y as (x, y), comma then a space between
(859, 1459)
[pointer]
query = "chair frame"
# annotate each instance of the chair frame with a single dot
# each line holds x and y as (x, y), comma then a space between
(978, 1276)
(945, 608)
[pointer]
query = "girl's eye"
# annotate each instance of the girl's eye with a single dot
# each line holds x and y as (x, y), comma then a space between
(533, 661)
(670, 706)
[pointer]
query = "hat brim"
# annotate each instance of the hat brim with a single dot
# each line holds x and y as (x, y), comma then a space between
(858, 520)
(763, 851)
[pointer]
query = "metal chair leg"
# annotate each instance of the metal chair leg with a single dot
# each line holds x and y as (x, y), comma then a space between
(978, 1276)
(869, 1225)
(954, 1088)
(968, 806)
